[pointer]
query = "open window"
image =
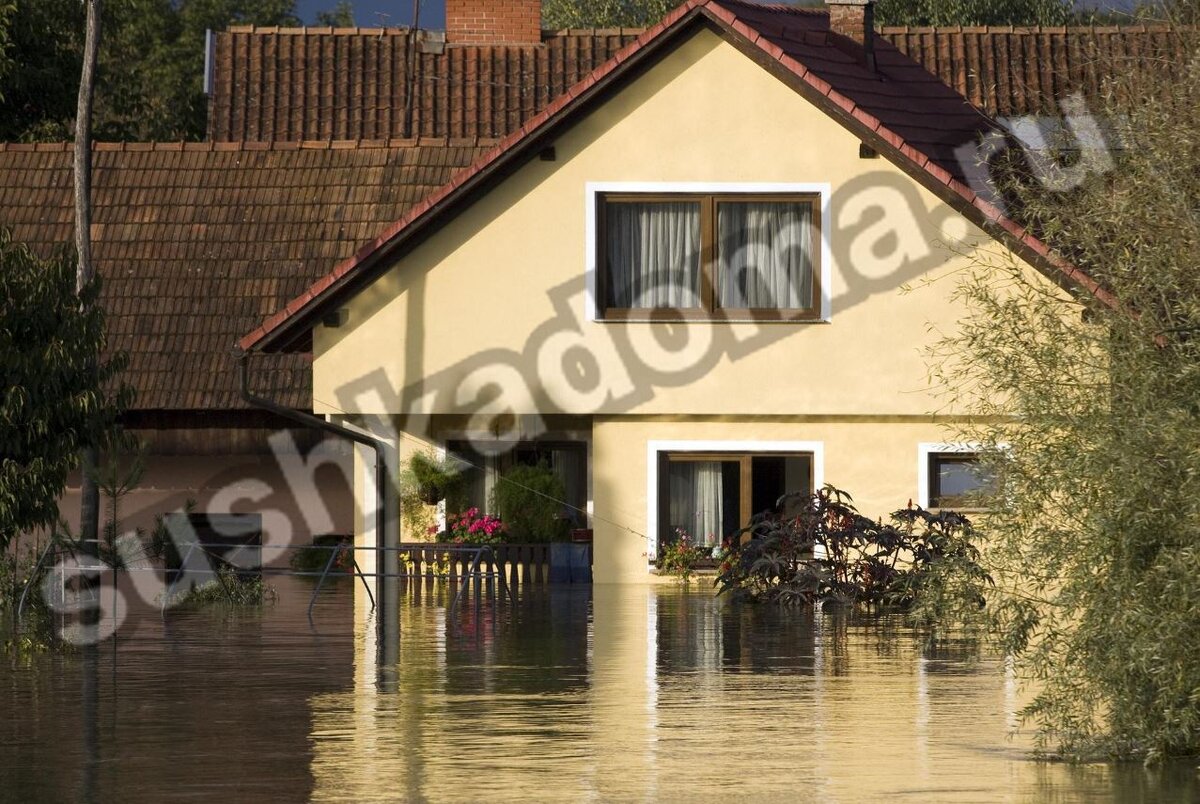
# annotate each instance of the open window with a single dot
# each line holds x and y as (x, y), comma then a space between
(709, 496)
(567, 459)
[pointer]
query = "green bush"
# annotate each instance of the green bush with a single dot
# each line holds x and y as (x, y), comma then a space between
(315, 557)
(431, 478)
(529, 500)
(829, 553)
(227, 588)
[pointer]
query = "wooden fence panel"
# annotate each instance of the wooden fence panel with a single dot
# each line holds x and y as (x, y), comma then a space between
(517, 564)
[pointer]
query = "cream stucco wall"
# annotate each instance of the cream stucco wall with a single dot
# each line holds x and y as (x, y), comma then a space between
(490, 314)
(499, 295)
(875, 460)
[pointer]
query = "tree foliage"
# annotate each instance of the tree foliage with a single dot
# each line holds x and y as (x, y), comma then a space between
(150, 82)
(340, 16)
(59, 393)
(560, 14)
(1096, 532)
(973, 12)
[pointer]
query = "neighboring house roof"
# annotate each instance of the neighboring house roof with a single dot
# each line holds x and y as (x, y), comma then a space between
(197, 242)
(1011, 72)
(902, 110)
(351, 83)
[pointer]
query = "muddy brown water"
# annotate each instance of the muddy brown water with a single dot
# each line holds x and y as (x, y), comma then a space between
(604, 694)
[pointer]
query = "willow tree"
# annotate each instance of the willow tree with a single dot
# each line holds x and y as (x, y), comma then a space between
(1090, 411)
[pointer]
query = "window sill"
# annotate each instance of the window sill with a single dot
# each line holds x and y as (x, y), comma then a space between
(678, 319)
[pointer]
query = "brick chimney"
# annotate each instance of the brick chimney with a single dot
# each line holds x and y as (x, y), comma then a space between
(493, 22)
(855, 19)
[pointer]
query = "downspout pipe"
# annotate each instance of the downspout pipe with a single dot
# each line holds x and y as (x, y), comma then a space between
(383, 559)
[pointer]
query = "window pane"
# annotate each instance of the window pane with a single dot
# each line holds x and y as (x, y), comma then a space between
(704, 500)
(765, 255)
(957, 479)
(653, 252)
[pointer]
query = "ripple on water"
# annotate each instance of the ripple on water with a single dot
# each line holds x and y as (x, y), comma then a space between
(606, 694)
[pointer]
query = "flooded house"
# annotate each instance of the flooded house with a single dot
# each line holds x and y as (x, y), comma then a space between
(691, 267)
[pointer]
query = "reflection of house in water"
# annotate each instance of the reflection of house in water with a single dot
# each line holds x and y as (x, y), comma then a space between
(662, 694)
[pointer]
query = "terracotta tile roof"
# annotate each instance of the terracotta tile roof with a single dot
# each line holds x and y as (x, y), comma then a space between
(322, 83)
(1028, 71)
(903, 110)
(198, 242)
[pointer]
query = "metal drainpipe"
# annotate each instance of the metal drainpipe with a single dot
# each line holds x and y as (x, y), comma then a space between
(384, 560)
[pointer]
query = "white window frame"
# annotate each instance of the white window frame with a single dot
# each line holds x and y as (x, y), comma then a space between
(592, 310)
(928, 448)
(655, 448)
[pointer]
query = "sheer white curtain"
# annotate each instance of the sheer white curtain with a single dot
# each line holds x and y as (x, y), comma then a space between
(653, 254)
(765, 255)
(697, 502)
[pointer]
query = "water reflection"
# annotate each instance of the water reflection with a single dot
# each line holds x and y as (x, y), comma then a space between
(616, 693)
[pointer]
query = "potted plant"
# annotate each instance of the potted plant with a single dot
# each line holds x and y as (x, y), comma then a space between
(433, 478)
(529, 499)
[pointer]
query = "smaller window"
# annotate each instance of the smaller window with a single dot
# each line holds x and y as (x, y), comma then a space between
(957, 480)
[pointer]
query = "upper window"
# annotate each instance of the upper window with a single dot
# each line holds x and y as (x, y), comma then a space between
(708, 256)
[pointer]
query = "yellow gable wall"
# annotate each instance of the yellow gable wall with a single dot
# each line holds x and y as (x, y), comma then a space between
(475, 303)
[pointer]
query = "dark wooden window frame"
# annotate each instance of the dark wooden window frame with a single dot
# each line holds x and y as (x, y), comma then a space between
(935, 492)
(745, 482)
(709, 311)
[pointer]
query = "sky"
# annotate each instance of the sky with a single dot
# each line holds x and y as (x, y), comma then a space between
(370, 13)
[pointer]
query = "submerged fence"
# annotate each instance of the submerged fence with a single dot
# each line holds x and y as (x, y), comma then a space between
(494, 571)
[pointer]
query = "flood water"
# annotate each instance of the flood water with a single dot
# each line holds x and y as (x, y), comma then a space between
(606, 694)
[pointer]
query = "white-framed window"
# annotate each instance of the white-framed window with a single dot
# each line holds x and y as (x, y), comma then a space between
(708, 251)
(950, 476)
(710, 488)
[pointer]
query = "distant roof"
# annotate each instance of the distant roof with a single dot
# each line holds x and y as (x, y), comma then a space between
(198, 242)
(350, 83)
(899, 108)
(1010, 72)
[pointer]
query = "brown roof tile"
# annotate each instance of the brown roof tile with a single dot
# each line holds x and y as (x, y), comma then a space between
(922, 121)
(1009, 72)
(197, 246)
(313, 83)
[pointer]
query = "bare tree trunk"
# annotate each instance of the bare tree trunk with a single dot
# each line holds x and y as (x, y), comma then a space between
(89, 506)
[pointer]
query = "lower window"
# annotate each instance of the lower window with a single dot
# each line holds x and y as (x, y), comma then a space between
(710, 496)
(957, 480)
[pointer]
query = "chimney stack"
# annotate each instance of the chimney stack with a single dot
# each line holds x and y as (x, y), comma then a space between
(855, 19)
(493, 22)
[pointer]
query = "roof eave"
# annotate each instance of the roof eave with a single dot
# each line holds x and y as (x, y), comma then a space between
(285, 329)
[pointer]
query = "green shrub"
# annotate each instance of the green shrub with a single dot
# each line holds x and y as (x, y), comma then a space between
(227, 588)
(830, 553)
(433, 479)
(315, 557)
(529, 500)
